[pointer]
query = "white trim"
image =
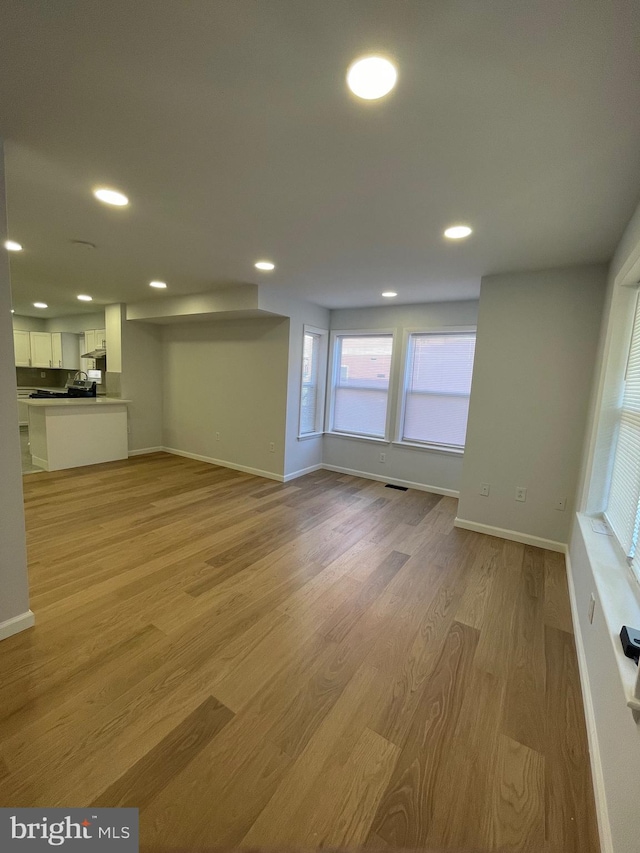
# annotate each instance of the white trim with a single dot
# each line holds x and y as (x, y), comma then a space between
(432, 448)
(144, 450)
(40, 463)
(16, 624)
(372, 438)
(302, 471)
(323, 362)
(309, 435)
(422, 487)
(258, 472)
(597, 775)
(511, 535)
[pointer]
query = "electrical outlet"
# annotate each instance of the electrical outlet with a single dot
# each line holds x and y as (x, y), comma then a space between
(43, 375)
(521, 493)
(592, 607)
(484, 489)
(272, 447)
(217, 436)
(560, 504)
(383, 457)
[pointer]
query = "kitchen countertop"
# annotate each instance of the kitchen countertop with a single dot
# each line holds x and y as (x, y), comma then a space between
(65, 402)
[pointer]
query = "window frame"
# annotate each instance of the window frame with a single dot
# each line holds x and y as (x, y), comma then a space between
(333, 373)
(452, 449)
(323, 352)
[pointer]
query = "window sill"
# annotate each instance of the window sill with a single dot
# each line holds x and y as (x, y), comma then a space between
(349, 435)
(619, 596)
(431, 448)
(309, 435)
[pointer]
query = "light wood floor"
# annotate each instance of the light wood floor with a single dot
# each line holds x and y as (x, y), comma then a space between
(323, 663)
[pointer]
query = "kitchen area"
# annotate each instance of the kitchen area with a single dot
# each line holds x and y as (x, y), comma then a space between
(64, 415)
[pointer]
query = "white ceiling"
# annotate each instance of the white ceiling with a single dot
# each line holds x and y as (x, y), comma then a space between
(229, 126)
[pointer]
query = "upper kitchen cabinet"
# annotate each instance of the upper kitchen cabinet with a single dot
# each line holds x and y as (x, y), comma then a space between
(41, 355)
(22, 348)
(64, 350)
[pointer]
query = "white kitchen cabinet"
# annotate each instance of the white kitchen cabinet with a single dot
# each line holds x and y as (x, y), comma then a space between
(22, 348)
(40, 349)
(87, 342)
(64, 350)
(100, 338)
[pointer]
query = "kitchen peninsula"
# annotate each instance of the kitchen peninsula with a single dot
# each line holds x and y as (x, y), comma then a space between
(67, 433)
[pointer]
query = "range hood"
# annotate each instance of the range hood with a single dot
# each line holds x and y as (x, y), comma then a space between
(95, 353)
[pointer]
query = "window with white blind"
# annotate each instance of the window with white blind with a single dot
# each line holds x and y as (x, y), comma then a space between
(623, 510)
(314, 370)
(437, 388)
(360, 387)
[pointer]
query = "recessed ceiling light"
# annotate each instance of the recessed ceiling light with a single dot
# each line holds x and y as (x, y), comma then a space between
(13, 311)
(112, 197)
(84, 298)
(388, 294)
(267, 266)
(12, 246)
(40, 305)
(371, 77)
(457, 232)
(159, 284)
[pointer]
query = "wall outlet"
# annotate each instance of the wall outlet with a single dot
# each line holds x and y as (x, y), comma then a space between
(521, 493)
(217, 436)
(560, 504)
(592, 607)
(43, 375)
(383, 457)
(484, 489)
(272, 447)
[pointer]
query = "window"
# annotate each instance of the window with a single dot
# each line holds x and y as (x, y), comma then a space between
(623, 510)
(314, 368)
(362, 367)
(437, 388)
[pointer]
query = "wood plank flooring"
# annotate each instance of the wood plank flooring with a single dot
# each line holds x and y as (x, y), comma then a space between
(321, 663)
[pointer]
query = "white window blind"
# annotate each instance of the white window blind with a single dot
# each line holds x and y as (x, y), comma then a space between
(361, 384)
(623, 510)
(437, 388)
(309, 402)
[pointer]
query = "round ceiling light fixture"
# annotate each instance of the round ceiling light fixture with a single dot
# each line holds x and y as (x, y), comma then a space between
(265, 266)
(389, 294)
(112, 197)
(458, 232)
(12, 246)
(40, 305)
(161, 285)
(371, 77)
(84, 298)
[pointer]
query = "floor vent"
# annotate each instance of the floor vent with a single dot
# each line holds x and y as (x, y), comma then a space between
(399, 488)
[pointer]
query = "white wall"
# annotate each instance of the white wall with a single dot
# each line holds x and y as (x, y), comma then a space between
(300, 455)
(228, 377)
(615, 735)
(535, 353)
(76, 323)
(14, 585)
(28, 324)
(428, 468)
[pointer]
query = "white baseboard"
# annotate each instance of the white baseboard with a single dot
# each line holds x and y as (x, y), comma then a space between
(40, 463)
(452, 493)
(269, 475)
(511, 535)
(145, 450)
(597, 775)
(16, 624)
(302, 471)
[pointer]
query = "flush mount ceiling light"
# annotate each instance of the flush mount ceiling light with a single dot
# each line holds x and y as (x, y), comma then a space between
(40, 305)
(112, 197)
(159, 284)
(389, 294)
(12, 246)
(265, 266)
(458, 232)
(84, 298)
(371, 77)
